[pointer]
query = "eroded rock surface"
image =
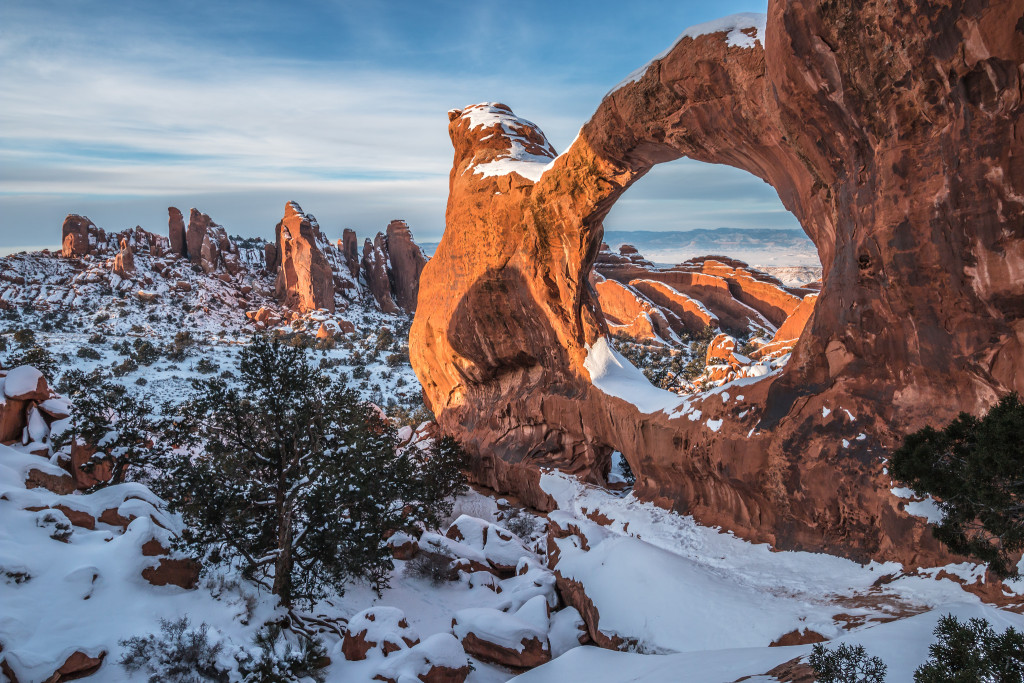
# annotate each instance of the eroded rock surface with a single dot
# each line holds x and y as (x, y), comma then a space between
(893, 137)
(305, 280)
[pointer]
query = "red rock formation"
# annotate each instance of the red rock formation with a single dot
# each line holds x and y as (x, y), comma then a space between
(407, 261)
(176, 232)
(534, 652)
(893, 137)
(627, 313)
(375, 273)
(124, 262)
(199, 224)
(77, 665)
(305, 281)
(692, 314)
(350, 249)
(270, 257)
(75, 236)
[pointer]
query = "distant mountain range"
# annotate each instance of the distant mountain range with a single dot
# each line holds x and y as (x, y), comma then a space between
(756, 246)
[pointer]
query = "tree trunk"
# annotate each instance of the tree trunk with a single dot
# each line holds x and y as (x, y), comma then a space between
(283, 564)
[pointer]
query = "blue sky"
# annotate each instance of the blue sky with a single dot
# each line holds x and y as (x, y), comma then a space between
(117, 110)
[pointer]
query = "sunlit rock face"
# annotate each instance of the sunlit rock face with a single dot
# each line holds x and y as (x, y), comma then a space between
(894, 138)
(305, 280)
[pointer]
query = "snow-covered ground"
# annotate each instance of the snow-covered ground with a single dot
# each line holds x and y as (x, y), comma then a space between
(691, 602)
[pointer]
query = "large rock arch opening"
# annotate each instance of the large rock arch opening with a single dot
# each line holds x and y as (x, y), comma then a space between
(895, 138)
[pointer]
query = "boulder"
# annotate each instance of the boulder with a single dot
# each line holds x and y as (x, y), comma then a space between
(12, 420)
(25, 383)
(907, 192)
(183, 573)
(499, 548)
(518, 640)
(438, 659)
(209, 255)
(378, 629)
(77, 665)
(86, 471)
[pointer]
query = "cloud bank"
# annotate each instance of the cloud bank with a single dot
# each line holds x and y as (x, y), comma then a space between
(121, 121)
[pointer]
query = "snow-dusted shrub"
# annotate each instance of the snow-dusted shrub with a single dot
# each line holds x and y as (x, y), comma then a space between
(434, 565)
(179, 654)
(846, 664)
(37, 357)
(206, 366)
(281, 656)
(144, 352)
(520, 522)
(974, 652)
(25, 337)
(88, 352)
(128, 366)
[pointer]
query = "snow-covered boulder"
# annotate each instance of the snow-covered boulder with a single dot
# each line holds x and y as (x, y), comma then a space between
(518, 640)
(25, 383)
(500, 548)
(438, 659)
(380, 630)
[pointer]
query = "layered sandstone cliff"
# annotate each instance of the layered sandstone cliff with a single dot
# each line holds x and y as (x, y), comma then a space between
(894, 139)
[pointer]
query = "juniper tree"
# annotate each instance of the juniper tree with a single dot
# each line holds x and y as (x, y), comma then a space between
(972, 652)
(975, 468)
(120, 426)
(294, 478)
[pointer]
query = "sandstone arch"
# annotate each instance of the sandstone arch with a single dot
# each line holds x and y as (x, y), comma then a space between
(893, 131)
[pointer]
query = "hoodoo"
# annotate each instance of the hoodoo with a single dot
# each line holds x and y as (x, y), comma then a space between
(893, 137)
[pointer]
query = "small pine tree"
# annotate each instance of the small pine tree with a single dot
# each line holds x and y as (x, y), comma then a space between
(37, 357)
(973, 652)
(295, 478)
(973, 468)
(846, 664)
(108, 417)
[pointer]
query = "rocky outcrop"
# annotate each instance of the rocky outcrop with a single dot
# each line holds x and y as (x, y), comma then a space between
(176, 232)
(305, 280)
(407, 261)
(208, 245)
(894, 139)
(124, 262)
(626, 312)
(199, 224)
(78, 234)
(349, 246)
(375, 273)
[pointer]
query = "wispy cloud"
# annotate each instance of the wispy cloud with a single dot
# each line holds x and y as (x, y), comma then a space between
(120, 116)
